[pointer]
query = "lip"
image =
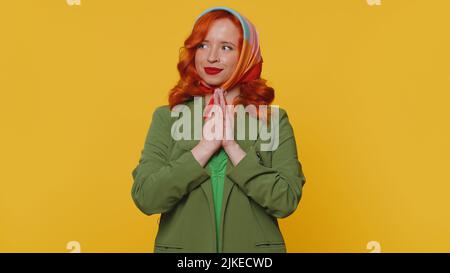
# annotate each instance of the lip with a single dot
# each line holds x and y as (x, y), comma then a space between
(212, 70)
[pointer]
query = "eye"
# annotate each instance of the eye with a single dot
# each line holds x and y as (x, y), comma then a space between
(201, 45)
(227, 48)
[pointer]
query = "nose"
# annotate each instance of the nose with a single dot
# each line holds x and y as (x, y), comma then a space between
(213, 55)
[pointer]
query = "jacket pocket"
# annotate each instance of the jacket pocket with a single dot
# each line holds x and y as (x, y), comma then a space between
(269, 244)
(160, 247)
(270, 247)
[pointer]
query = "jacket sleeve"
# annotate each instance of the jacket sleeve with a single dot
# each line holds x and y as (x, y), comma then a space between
(277, 189)
(159, 183)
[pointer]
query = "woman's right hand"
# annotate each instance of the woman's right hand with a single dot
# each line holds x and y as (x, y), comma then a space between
(209, 143)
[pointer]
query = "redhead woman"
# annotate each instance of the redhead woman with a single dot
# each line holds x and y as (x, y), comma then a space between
(219, 192)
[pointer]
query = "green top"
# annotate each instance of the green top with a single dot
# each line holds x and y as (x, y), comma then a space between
(218, 164)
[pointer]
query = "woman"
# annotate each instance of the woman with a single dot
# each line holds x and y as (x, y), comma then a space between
(219, 194)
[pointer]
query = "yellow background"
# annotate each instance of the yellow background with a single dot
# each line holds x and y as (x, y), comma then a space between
(366, 89)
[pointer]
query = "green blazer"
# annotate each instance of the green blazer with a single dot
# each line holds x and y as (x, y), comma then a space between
(263, 186)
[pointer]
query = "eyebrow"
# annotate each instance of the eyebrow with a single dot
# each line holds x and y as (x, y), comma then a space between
(222, 42)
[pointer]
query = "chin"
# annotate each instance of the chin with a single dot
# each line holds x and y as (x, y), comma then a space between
(213, 82)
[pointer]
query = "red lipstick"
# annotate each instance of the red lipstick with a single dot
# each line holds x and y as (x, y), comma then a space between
(212, 70)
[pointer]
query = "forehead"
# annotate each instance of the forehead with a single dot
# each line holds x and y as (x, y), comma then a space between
(223, 29)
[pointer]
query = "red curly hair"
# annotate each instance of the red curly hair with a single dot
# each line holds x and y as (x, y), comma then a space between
(254, 92)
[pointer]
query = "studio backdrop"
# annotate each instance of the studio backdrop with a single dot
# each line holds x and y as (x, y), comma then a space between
(365, 84)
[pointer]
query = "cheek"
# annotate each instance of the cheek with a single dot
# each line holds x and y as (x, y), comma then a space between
(232, 61)
(198, 58)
